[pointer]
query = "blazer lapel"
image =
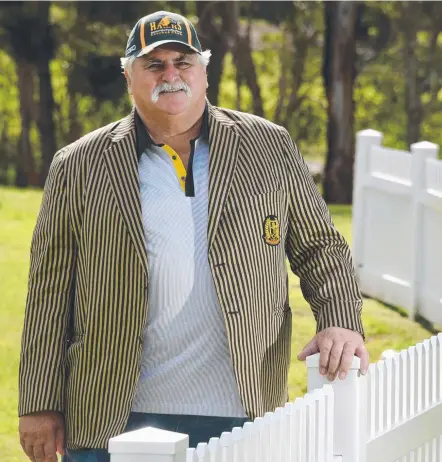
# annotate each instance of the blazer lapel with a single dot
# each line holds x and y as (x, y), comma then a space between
(223, 147)
(122, 165)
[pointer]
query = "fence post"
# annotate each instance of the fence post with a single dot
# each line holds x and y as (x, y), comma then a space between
(365, 139)
(420, 153)
(350, 406)
(149, 445)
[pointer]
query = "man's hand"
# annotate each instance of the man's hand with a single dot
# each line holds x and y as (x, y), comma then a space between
(337, 346)
(42, 435)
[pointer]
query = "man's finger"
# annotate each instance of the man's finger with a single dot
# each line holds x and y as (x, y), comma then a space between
(348, 353)
(59, 441)
(335, 359)
(325, 349)
(50, 450)
(310, 349)
(39, 454)
(28, 449)
(362, 353)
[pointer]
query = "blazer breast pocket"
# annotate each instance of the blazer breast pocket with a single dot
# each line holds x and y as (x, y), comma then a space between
(258, 219)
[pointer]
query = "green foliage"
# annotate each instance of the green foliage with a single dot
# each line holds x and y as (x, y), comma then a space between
(379, 87)
(9, 117)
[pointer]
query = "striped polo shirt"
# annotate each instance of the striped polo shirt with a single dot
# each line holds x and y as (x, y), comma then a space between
(186, 365)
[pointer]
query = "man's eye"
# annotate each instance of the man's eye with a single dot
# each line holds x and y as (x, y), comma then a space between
(154, 67)
(182, 64)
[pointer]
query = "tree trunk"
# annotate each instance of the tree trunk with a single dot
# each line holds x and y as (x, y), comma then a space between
(413, 104)
(75, 129)
(339, 72)
(244, 62)
(300, 45)
(25, 174)
(214, 39)
(5, 154)
(46, 101)
(242, 55)
(283, 81)
(238, 80)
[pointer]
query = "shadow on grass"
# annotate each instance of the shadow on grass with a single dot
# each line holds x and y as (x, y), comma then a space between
(432, 328)
(340, 210)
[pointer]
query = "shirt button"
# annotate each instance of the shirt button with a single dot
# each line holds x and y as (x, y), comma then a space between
(174, 157)
(183, 178)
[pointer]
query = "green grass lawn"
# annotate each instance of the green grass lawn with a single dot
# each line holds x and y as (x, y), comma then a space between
(385, 328)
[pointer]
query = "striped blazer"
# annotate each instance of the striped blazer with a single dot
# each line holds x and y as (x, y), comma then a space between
(87, 297)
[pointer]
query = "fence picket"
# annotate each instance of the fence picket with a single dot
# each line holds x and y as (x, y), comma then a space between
(202, 453)
(411, 382)
(433, 370)
(419, 377)
(265, 437)
(329, 422)
(372, 372)
(380, 397)
(213, 450)
(249, 450)
(319, 410)
(191, 455)
(396, 389)
(258, 432)
(285, 433)
(276, 434)
(298, 451)
(439, 367)
(405, 388)
(426, 378)
(311, 427)
(434, 450)
(439, 448)
(226, 447)
(238, 444)
(388, 396)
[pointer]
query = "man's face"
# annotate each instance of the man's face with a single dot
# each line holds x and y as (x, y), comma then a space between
(169, 79)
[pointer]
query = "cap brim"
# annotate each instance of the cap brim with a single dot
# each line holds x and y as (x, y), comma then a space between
(149, 48)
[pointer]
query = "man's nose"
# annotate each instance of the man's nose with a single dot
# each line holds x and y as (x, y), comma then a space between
(170, 72)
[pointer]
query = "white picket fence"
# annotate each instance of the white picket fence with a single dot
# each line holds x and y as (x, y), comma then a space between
(393, 414)
(397, 225)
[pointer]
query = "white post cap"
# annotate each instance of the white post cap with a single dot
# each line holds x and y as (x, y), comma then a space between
(369, 133)
(149, 441)
(425, 149)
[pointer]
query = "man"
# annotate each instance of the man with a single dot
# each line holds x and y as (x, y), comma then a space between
(158, 285)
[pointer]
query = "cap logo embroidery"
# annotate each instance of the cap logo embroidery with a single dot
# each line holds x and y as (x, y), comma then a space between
(271, 230)
(166, 25)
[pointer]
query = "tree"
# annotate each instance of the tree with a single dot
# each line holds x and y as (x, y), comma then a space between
(212, 25)
(243, 59)
(339, 74)
(17, 19)
(419, 26)
(45, 53)
(301, 33)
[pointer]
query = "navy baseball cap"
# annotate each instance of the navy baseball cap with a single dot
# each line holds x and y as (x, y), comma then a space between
(159, 28)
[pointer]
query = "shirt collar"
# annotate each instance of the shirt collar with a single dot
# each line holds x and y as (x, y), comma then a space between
(144, 140)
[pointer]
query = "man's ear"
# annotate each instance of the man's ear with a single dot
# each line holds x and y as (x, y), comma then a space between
(128, 81)
(126, 74)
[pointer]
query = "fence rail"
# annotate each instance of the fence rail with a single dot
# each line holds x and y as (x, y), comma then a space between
(392, 414)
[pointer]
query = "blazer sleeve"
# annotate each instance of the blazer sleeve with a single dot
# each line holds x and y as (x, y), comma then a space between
(51, 276)
(317, 252)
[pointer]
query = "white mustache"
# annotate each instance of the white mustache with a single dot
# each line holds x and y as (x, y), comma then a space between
(169, 87)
